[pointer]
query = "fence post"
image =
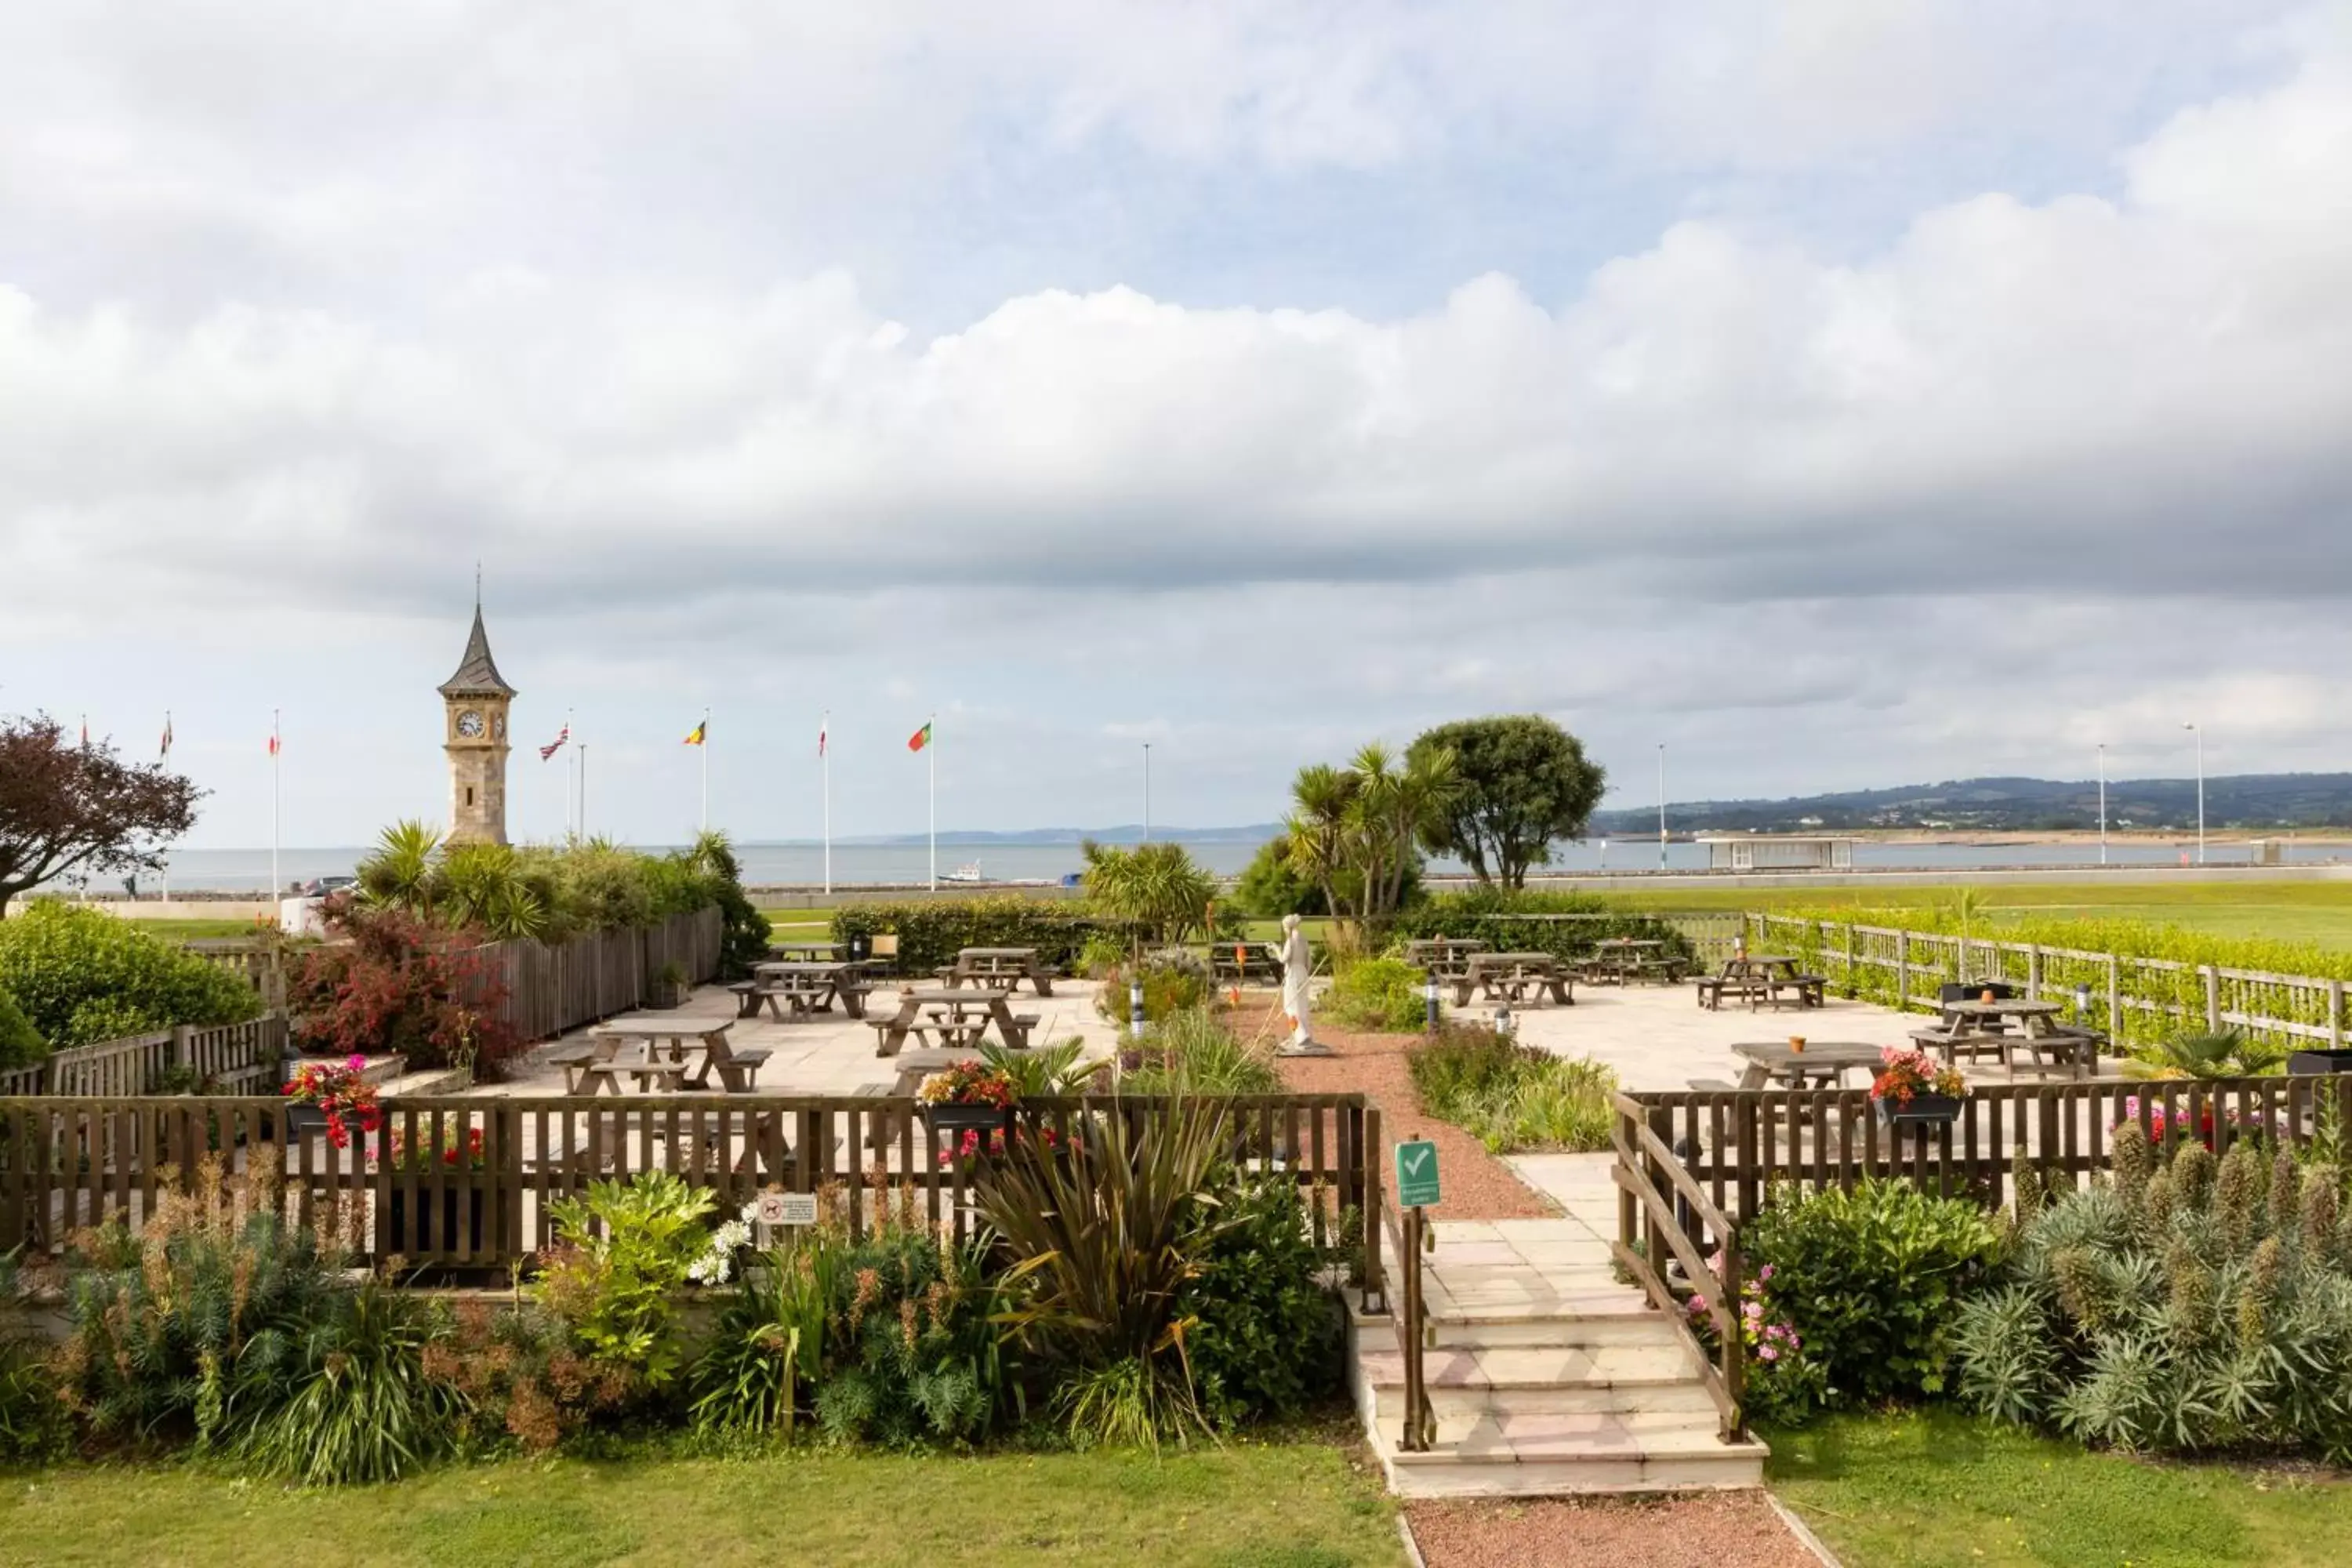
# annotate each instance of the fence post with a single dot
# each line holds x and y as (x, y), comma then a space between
(2212, 998)
(2116, 1000)
(2034, 972)
(1852, 985)
(180, 1033)
(1902, 969)
(2336, 1014)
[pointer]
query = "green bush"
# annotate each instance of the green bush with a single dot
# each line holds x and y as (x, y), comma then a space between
(21, 1045)
(355, 1405)
(1192, 1051)
(1871, 1278)
(2196, 1307)
(1174, 980)
(1513, 1097)
(1267, 1340)
(1502, 919)
(81, 976)
(1382, 993)
(194, 1327)
(624, 1251)
(1270, 888)
(930, 933)
(32, 1426)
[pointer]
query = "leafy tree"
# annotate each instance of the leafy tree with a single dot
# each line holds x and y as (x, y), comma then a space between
(1158, 886)
(65, 807)
(20, 1043)
(1354, 832)
(1271, 887)
(1525, 785)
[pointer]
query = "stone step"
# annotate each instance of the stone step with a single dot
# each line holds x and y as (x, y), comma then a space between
(1535, 1380)
(1584, 1323)
(1557, 1454)
(431, 1081)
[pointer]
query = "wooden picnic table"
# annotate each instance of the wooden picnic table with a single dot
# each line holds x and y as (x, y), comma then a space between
(1446, 957)
(1976, 1026)
(659, 1060)
(1822, 1064)
(998, 968)
(806, 987)
(1514, 977)
(1762, 978)
(1239, 963)
(952, 1008)
(809, 952)
(1622, 959)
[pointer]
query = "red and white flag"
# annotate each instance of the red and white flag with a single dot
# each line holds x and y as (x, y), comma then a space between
(167, 733)
(822, 725)
(273, 740)
(548, 750)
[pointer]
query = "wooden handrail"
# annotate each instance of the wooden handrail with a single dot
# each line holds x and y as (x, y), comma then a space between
(1642, 1206)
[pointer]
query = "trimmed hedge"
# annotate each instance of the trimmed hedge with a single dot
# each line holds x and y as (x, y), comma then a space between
(82, 975)
(1486, 915)
(21, 1045)
(931, 932)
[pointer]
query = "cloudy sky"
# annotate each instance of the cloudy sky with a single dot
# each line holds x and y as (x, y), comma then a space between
(1841, 392)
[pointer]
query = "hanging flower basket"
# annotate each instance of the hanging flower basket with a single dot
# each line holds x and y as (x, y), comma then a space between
(1921, 1110)
(1915, 1089)
(971, 1096)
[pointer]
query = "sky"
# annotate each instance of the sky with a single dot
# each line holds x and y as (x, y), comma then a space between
(1835, 393)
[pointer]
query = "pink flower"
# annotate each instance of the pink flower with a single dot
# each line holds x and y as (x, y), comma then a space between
(1764, 1274)
(1769, 1352)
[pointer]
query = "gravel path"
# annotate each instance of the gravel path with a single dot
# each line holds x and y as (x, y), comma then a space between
(1477, 1185)
(1703, 1530)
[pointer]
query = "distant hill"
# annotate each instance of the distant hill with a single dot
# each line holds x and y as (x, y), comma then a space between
(1128, 833)
(2020, 805)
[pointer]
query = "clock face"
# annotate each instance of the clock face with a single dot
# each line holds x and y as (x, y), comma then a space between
(470, 723)
(498, 726)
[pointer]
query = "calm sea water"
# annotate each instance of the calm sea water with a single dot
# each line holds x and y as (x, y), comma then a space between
(247, 871)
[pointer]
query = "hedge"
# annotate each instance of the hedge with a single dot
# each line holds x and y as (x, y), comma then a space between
(1501, 921)
(82, 975)
(931, 932)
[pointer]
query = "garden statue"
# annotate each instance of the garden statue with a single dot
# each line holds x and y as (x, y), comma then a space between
(1298, 972)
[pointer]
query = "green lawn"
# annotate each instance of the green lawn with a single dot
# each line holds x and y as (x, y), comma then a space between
(2288, 911)
(1912, 1490)
(190, 930)
(1290, 1504)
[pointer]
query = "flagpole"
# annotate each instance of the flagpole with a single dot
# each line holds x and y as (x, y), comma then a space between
(583, 789)
(932, 746)
(825, 757)
(167, 757)
(277, 803)
(705, 750)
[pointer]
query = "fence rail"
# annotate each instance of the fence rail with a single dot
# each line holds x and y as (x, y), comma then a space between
(232, 1059)
(1737, 1146)
(2138, 999)
(70, 1163)
(1655, 1235)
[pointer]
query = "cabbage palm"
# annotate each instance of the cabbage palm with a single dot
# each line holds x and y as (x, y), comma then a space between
(401, 874)
(1316, 831)
(1388, 810)
(1158, 886)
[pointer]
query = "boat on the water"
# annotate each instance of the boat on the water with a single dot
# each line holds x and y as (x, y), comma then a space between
(968, 872)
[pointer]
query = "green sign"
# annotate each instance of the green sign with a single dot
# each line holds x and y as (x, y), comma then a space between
(1416, 1167)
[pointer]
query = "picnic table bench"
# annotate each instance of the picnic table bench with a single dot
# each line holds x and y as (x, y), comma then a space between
(1240, 962)
(1445, 957)
(998, 968)
(1764, 980)
(1978, 1028)
(659, 1060)
(950, 1008)
(804, 987)
(1622, 960)
(1514, 977)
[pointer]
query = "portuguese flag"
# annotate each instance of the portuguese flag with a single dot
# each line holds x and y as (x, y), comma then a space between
(919, 739)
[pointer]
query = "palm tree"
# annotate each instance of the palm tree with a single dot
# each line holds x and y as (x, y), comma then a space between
(1389, 809)
(402, 872)
(1316, 829)
(1158, 886)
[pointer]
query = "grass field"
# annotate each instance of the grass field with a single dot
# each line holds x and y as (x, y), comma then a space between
(1928, 1491)
(2287, 911)
(1293, 1504)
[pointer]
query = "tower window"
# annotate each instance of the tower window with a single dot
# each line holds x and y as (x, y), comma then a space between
(469, 794)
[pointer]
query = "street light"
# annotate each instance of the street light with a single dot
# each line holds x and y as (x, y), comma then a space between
(2201, 790)
(2102, 803)
(1662, 805)
(1147, 791)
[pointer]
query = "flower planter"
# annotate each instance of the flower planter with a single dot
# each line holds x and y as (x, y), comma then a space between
(1922, 1110)
(951, 1118)
(664, 994)
(2300, 1063)
(435, 1232)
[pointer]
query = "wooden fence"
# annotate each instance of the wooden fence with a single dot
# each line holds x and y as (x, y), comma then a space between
(2135, 999)
(234, 1059)
(70, 1163)
(1739, 1144)
(549, 987)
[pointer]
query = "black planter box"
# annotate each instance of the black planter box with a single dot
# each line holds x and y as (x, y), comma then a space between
(2319, 1061)
(435, 1232)
(964, 1117)
(1925, 1110)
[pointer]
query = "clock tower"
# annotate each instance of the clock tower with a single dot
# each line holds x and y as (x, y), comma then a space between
(476, 700)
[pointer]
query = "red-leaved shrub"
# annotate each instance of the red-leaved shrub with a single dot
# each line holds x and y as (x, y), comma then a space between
(399, 984)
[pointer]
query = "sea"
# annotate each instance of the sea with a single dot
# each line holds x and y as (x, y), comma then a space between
(870, 865)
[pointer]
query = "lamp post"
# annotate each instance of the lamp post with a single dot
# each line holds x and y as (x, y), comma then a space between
(2199, 734)
(2102, 803)
(1662, 805)
(1147, 791)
